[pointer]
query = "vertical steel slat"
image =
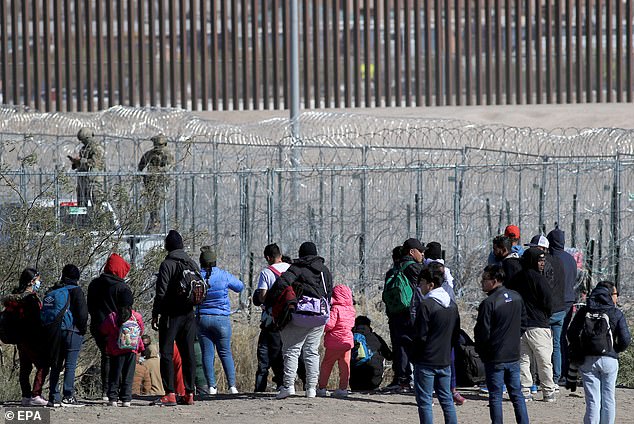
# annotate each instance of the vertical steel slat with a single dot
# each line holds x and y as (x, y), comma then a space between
(418, 76)
(120, 52)
(131, 54)
(204, 55)
(558, 52)
(276, 54)
(101, 61)
(398, 94)
(529, 51)
(589, 51)
(499, 60)
(90, 41)
(4, 47)
(467, 50)
(37, 64)
(569, 51)
(214, 53)
(439, 53)
(599, 51)
(347, 70)
(142, 53)
(538, 53)
(26, 55)
(255, 41)
(608, 50)
(377, 52)
(368, 62)
(478, 50)
(579, 54)
(448, 47)
(68, 50)
(286, 15)
(194, 74)
(305, 34)
(357, 55)
(549, 51)
(489, 52)
(173, 38)
(508, 65)
(316, 50)
(224, 20)
(458, 56)
(326, 51)
(337, 53)
(518, 52)
(46, 13)
(619, 51)
(265, 53)
(234, 55)
(162, 49)
(629, 75)
(57, 34)
(407, 47)
(388, 55)
(244, 19)
(79, 46)
(182, 30)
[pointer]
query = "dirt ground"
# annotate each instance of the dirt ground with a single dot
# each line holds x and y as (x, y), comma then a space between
(358, 408)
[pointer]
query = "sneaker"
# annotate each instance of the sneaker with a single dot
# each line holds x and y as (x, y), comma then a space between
(483, 390)
(167, 400)
(340, 393)
(556, 388)
(393, 386)
(534, 389)
(25, 401)
(104, 396)
(233, 390)
(549, 397)
(458, 399)
(126, 404)
(528, 398)
(71, 402)
(37, 401)
(311, 393)
(112, 403)
(285, 392)
(322, 392)
(188, 399)
(52, 404)
(404, 388)
(213, 390)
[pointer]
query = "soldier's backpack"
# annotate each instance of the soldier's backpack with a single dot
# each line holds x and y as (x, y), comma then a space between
(192, 287)
(129, 334)
(596, 335)
(398, 291)
(361, 352)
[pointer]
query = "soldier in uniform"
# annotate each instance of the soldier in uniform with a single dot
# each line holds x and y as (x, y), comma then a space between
(90, 159)
(158, 161)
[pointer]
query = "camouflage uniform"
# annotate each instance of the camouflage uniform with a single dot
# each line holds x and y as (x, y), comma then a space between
(157, 161)
(90, 159)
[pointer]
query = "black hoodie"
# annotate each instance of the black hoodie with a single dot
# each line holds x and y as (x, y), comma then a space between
(166, 300)
(600, 300)
(556, 238)
(533, 288)
(307, 271)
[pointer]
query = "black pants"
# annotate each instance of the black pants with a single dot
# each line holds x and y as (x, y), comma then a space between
(399, 326)
(121, 377)
(100, 341)
(182, 330)
(269, 356)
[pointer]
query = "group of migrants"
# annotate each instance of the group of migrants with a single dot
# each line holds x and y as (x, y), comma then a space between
(531, 315)
(155, 162)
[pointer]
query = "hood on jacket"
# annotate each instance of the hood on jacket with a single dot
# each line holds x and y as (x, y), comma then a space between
(441, 297)
(557, 239)
(116, 265)
(311, 261)
(342, 295)
(531, 257)
(600, 298)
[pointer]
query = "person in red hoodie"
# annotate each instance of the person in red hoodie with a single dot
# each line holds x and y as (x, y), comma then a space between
(338, 341)
(104, 293)
(122, 329)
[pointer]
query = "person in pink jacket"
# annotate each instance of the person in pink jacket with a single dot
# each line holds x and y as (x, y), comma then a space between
(338, 341)
(123, 329)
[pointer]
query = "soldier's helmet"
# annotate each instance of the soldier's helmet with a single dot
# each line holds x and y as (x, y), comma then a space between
(85, 134)
(159, 140)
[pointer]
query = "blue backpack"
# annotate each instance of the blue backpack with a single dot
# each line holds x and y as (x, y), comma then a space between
(55, 309)
(361, 352)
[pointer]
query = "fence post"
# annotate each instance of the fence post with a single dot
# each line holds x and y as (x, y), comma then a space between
(600, 248)
(269, 206)
(333, 199)
(615, 251)
(177, 168)
(456, 216)
(418, 201)
(214, 187)
(573, 227)
(193, 210)
(364, 221)
(244, 226)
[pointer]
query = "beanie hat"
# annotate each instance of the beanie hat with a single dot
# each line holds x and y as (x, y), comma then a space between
(70, 274)
(362, 320)
(433, 250)
(307, 248)
(173, 241)
(207, 257)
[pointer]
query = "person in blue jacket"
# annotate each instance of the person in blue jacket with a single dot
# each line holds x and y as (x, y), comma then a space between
(212, 318)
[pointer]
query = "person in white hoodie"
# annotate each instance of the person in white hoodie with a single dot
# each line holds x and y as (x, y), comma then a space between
(435, 331)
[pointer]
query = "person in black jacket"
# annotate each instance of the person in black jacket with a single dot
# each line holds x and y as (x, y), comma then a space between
(435, 331)
(71, 341)
(174, 319)
(104, 292)
(599, 369)
(537, 341)
(500, 325)
(368, 375)
(310, 275)
(510, 260)
(411, 262)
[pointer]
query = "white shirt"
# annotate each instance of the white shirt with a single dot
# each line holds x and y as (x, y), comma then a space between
(267, 277)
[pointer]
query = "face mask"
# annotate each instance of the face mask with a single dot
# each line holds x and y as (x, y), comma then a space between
(36, 285)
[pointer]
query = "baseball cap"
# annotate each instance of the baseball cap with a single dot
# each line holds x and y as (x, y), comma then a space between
(539, 241)
(413, 243)
(512, 231)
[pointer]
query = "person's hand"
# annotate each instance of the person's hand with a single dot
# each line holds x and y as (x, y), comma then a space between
(155, 326)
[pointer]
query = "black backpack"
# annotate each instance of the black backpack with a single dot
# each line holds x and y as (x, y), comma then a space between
(596, 334)
(11, 331)
(191, 288)
(469, 366)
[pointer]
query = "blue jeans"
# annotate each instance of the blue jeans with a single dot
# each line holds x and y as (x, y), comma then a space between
(599, 380)
(69, 352)
(496, 376)
(426, 379)
(214, 332)
(556, 325)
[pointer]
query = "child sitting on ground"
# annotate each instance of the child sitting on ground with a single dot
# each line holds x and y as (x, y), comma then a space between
(338, 341)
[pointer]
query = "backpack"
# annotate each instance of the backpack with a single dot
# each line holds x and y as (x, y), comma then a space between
(10, 326)
(469, 366)
(596, 335)
(192, 287)
(55, 309)
(361, 352)
(129, 334)
(398, 291)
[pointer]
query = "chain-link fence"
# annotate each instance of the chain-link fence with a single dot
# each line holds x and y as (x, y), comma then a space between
(356, 185)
